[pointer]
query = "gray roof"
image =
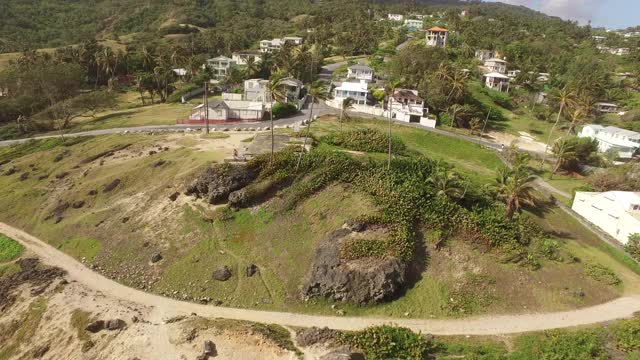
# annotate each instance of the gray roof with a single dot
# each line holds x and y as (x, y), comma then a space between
(291, 82)
(360, 67)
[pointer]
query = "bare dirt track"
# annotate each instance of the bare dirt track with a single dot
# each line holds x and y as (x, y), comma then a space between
(623, 307)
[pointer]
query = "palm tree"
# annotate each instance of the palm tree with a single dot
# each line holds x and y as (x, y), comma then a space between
(475, 124)
(390, 91)
(275, 92)
(515, 188)
(317, 91)
(564, 153)
(346, 105)
(251, 68)
(447, 183)
(453, 111)
(566, 98)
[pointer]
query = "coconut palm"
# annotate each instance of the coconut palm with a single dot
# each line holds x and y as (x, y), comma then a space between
(346, 105)
(566, 98)
(515, 188)
(251, 68)
(275, 92)
(447, 183)
(564, 153)
(316, 91)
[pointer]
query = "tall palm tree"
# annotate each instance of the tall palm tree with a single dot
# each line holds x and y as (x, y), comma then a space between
(346, 105)
(251, 68)
(566, 98)
(564, 153)
(390, 91)
(453, 111)
(317, 91)
(275, 92)
(515, 188)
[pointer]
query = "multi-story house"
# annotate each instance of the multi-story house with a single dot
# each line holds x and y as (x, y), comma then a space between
(496, 65)
(437, 36)
(360, 72)
(220, 66)
(625, 142)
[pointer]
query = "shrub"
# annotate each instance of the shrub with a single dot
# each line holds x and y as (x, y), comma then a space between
(281, 110)
(633, 246)
(9, 249)
(366, 139)
(563, 345)
(628, 335)
(602, 274)
(388, 342)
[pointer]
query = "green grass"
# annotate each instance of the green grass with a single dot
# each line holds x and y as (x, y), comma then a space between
(9, 269)
(577, 345)
(81, 248)
(79, 321)
(9, 249)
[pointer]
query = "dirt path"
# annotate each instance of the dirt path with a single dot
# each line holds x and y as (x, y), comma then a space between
(486, 325)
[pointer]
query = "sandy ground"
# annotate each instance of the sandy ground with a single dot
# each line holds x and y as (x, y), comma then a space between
(525, 141)
(162, 308)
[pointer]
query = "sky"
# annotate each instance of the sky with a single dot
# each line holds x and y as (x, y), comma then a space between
(612, 14)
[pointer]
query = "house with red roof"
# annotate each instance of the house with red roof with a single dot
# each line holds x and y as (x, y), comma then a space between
(437, 36)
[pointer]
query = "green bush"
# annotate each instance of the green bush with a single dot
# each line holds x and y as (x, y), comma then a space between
(633, 246)
(9, 249)
(560, 345)
(602, 274)
(388, 342)
(367, 140)
(281, 110)
(628, 335)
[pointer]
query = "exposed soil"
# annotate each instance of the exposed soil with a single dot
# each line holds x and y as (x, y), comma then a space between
(31, 274)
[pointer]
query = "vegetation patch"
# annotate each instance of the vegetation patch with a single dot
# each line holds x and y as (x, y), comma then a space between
(472, 294)
(602, 274)
(16, 334)
(627, 334)
(9, 249)
(81, 248)
(79, 321)
(388, 342)
(367, 140)
(279, 335)
(578, 345)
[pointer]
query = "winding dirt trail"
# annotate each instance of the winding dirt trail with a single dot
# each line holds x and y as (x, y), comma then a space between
(623, 307)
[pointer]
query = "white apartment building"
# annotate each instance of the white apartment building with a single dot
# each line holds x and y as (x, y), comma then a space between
(242, 57)
(395, 17)
(625, 142)
(269, 46)
(615, 212)
(413, 24)
(483, 54)
(220, 66)
(406, 105)
(437, 36)
(496, 65)
(256, 90)
(496, 81)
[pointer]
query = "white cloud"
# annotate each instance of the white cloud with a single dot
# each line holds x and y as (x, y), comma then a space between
(581, 10)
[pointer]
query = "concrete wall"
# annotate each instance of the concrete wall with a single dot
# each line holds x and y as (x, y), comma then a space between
(619, 224)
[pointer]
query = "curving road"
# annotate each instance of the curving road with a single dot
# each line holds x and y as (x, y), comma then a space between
(486, 325)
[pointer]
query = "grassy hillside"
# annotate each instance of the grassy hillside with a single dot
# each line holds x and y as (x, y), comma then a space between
(70, 198)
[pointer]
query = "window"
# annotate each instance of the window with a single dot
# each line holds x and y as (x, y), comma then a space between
(636, 207)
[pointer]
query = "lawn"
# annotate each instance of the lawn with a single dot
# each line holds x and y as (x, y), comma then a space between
(9, 249)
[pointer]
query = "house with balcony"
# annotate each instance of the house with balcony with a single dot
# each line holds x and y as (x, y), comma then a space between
(413, 24)
(395, 17)
(406, 105)
(220, 66)
(483, 54)
(221, 111)
(358, 91)
(606, 108)
(256, 90)
(496, 81)
(360, 72)
(615, 212)
(243, 57)
(437, 36)
(273, 45)
(625, 142)
(496, 65)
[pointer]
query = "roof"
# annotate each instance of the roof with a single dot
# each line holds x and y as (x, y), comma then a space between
(496, 75)
(360, 67)
(495, 60)
(354, 86)
(213, 103)
(406, 93)
(291, 82)
(615, 130)
(623, 199)
(220, 58)
(606, 104)
(243, 105)
(437, 28)
(248, 52)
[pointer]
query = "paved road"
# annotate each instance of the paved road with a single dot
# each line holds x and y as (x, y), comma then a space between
(486, 325)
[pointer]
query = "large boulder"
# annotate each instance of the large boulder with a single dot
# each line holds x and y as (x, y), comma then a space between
(313, 335)
(343, 353)
(219, 180)
(361, 281)
(222, 274)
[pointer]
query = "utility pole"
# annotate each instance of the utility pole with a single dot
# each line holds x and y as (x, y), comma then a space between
(485, 123)
(206, 106)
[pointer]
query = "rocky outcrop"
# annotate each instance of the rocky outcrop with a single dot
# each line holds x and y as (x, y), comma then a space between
(361, 281)
(31, 273)
(112, 325)
(314, 335)
(111, 186)
(251, 270)
(343, 353)
(222, 274)
(218, 181)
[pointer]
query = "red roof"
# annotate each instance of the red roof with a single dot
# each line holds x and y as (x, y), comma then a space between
(435, 28)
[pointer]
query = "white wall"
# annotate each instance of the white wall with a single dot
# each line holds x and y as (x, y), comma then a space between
(598, 211)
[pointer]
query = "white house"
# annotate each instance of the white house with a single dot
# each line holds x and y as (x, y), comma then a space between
(360, 72)
(483, 55)
(437, 36)
(606, 108)
(395, 17)
(256, 90)
(269, 46)
(356, 90)
(513, 73)
(615, 212)
(598, 38)
(227, 110)
(625, 142)
(413, 24)
(406, 105)
(620, 51)
(220, 66)
(242, 57)
(496, 81)
(496, 65)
